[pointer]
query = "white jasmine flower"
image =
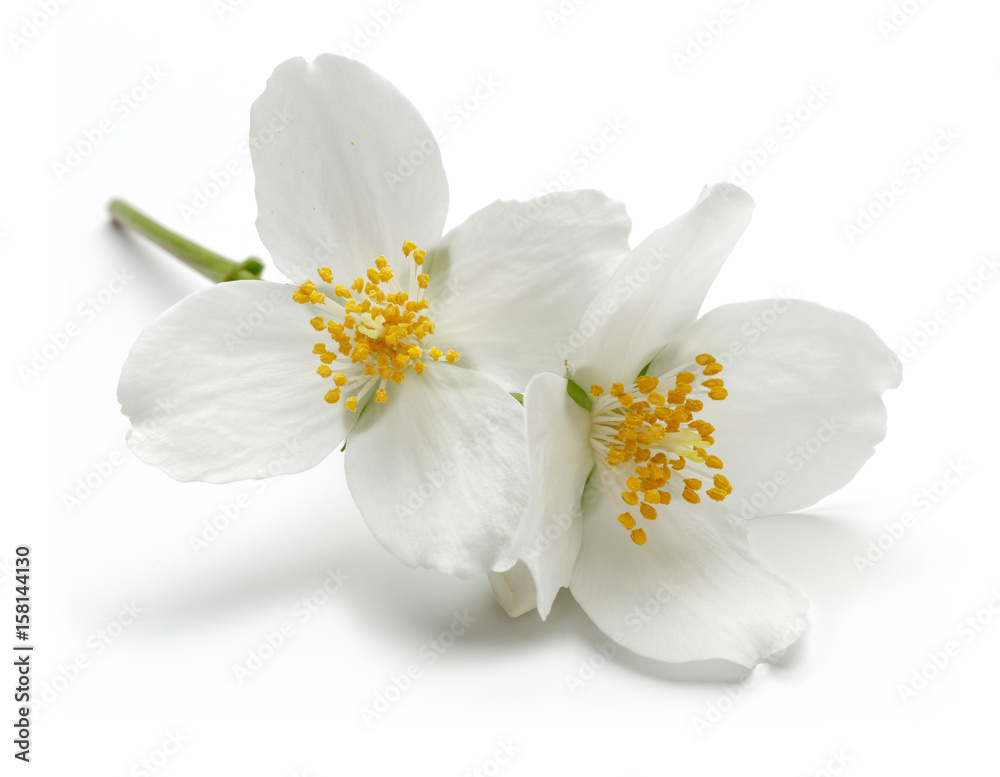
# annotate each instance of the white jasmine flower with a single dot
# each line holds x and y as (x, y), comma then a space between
(407, 342)
(688, 423)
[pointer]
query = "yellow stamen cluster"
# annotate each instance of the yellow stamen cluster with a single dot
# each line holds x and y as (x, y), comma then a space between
(644, 428)
(379, 328)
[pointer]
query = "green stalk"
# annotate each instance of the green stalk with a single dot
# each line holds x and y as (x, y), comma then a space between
(216, 268)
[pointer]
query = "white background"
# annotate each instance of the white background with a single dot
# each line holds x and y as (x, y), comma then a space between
(892, 84)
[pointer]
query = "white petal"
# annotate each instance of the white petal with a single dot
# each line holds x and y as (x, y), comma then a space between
(660, 287)
(804, 410)
(440, 471)
(694, 591)
(560, 460)
(346, 169)
(514, 589)
(223, 387)
(511, 283)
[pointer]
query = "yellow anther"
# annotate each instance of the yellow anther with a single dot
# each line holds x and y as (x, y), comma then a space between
(419, 367)
(436, 353)
(317, 297)
(319, 348)
(340, 379)
(656, 399)
(304, 293)
(415, 352)
(691, 496)
(370, 370)
(380, 396)
(385, 275)
(716, 493)
(647, 511)
(408, 247)
(678, 464)
(418, 256)
(326, 274)
(318, 323)
(626, 520)
(704, 358)
(422, 280)
(718, 394)
(638, 537)
(332, 396)
(633, 483)
(327, 358)
(721, 482)
(343, 291)
(664, 497)
(692, 483)
(713, 462)
(372, 274)
(651, 497)
(358, 285)
(646, 383)
(452, 356)
(595, 390)
(685, 377)
(381, 263)
(323, 371)
(713, 383)
(625, 400)
(617, 389)
(630, 498)
(351, 403)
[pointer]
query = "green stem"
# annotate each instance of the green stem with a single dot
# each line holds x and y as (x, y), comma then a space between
(217, 268)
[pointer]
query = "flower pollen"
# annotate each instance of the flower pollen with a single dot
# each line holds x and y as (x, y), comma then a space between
(374, 323)
(650, 432)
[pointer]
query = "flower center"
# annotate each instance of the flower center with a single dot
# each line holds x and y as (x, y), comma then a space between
(646, 437)
(381, 328)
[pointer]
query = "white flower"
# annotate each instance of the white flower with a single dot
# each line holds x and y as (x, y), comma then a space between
(252, 378)
(782, 396)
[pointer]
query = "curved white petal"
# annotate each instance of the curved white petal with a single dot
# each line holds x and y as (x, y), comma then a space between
(346, 169)
(804, 410)
(509, 286)
(560, 459)
(440, 473)
(694, 591)
(223, 387)
(514, 589)
(660, 286)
